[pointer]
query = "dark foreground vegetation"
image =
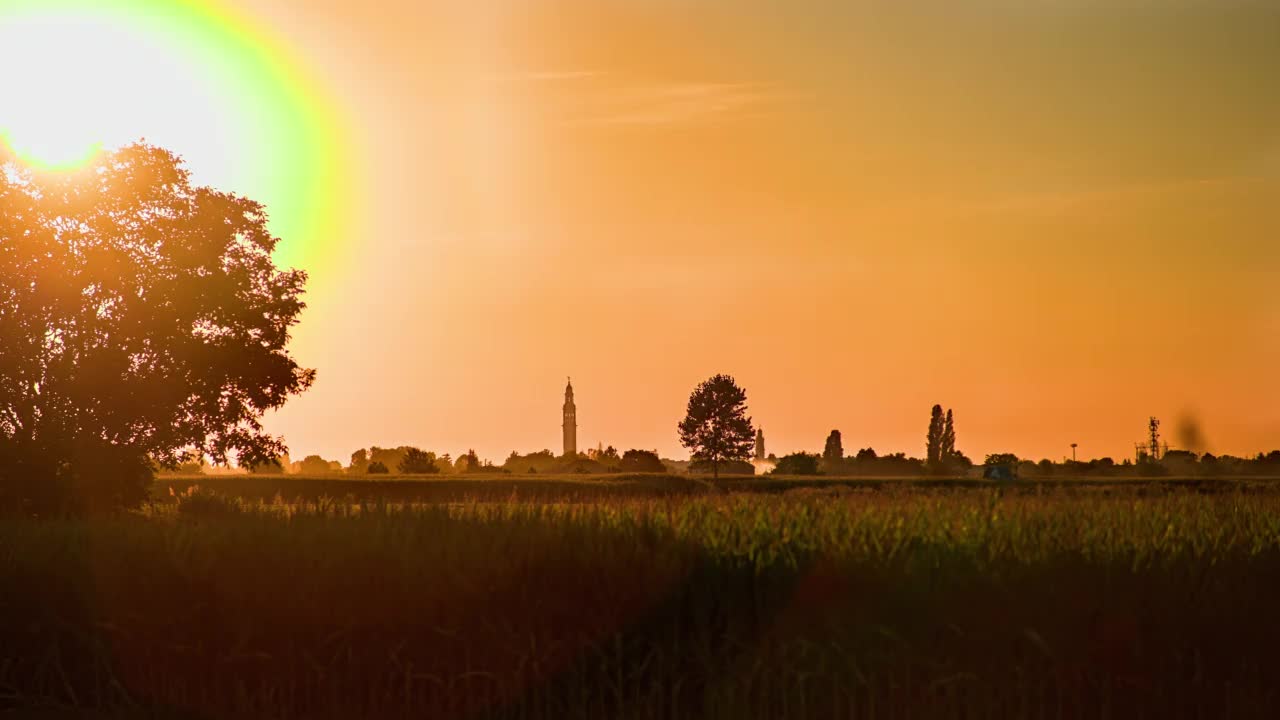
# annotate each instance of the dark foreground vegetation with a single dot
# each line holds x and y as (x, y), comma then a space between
(1088, 602)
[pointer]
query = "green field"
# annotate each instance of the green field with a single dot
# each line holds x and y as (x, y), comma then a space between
(650, 596)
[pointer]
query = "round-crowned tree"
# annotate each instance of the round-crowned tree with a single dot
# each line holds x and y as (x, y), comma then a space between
(143, 322)
(418, 462)
(641, 461)
(716, 427)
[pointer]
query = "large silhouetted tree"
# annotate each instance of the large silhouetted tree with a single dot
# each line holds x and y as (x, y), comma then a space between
(716, 427)
(142, 322)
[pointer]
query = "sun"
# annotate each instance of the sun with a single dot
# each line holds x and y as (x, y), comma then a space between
(53, 115)
(195, 77)
(51, 145)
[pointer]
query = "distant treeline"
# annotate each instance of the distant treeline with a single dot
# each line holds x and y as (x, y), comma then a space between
(1179, 463)
(409, 460)
(942, 459)
(1174, 463)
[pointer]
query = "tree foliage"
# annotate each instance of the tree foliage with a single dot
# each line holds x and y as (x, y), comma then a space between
(948, 448)
(941, 455)
(543, 461)
(642, 461)
(716, 427)
(608, 457)
(800, 463)
(1001, 459)
(418, 462)
(359, 462)
(142, 320)
(933, 439)
(315, 465)
(833, 452)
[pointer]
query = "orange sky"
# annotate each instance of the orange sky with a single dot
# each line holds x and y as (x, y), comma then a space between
(1056, 218)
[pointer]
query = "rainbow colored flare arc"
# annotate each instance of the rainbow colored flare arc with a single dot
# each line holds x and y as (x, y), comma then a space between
(264, 120)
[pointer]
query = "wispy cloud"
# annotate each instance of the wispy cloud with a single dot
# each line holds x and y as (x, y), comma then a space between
(590, 97)
(681, 103)
(561, 75)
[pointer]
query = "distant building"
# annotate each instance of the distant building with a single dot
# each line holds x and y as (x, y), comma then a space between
(760, 444)
(570, 422)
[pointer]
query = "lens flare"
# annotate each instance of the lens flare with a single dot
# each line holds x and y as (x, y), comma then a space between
(191, 76)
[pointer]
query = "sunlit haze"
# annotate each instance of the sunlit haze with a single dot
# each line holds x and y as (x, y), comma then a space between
(1058, 218)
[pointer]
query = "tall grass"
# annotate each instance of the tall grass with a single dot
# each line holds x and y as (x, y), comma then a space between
(805, 604)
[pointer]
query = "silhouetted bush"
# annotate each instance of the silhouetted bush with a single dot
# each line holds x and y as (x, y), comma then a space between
(418, 462)
(797, 464)
(316, 465)
(642, 461)
(544, 461)
(377, 468)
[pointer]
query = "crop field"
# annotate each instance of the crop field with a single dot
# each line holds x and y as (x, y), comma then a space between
(650, 597)
(595, 488)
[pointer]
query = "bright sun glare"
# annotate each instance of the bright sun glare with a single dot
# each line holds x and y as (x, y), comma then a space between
(79, 76)
(59, 106)
(89, 81)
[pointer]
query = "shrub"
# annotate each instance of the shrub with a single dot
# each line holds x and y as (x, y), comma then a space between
(197, 503)
(418, 462)
(642, 461)
(800, 463)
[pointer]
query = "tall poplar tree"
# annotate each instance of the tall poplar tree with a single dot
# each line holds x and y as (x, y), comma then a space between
(933, 440)
(948, 449)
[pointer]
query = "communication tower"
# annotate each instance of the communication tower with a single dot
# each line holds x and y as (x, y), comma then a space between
(1151, 450)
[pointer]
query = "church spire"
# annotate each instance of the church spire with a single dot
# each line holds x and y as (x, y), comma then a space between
(570, 426)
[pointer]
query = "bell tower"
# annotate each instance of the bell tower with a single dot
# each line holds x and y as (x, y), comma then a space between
(570, 422)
